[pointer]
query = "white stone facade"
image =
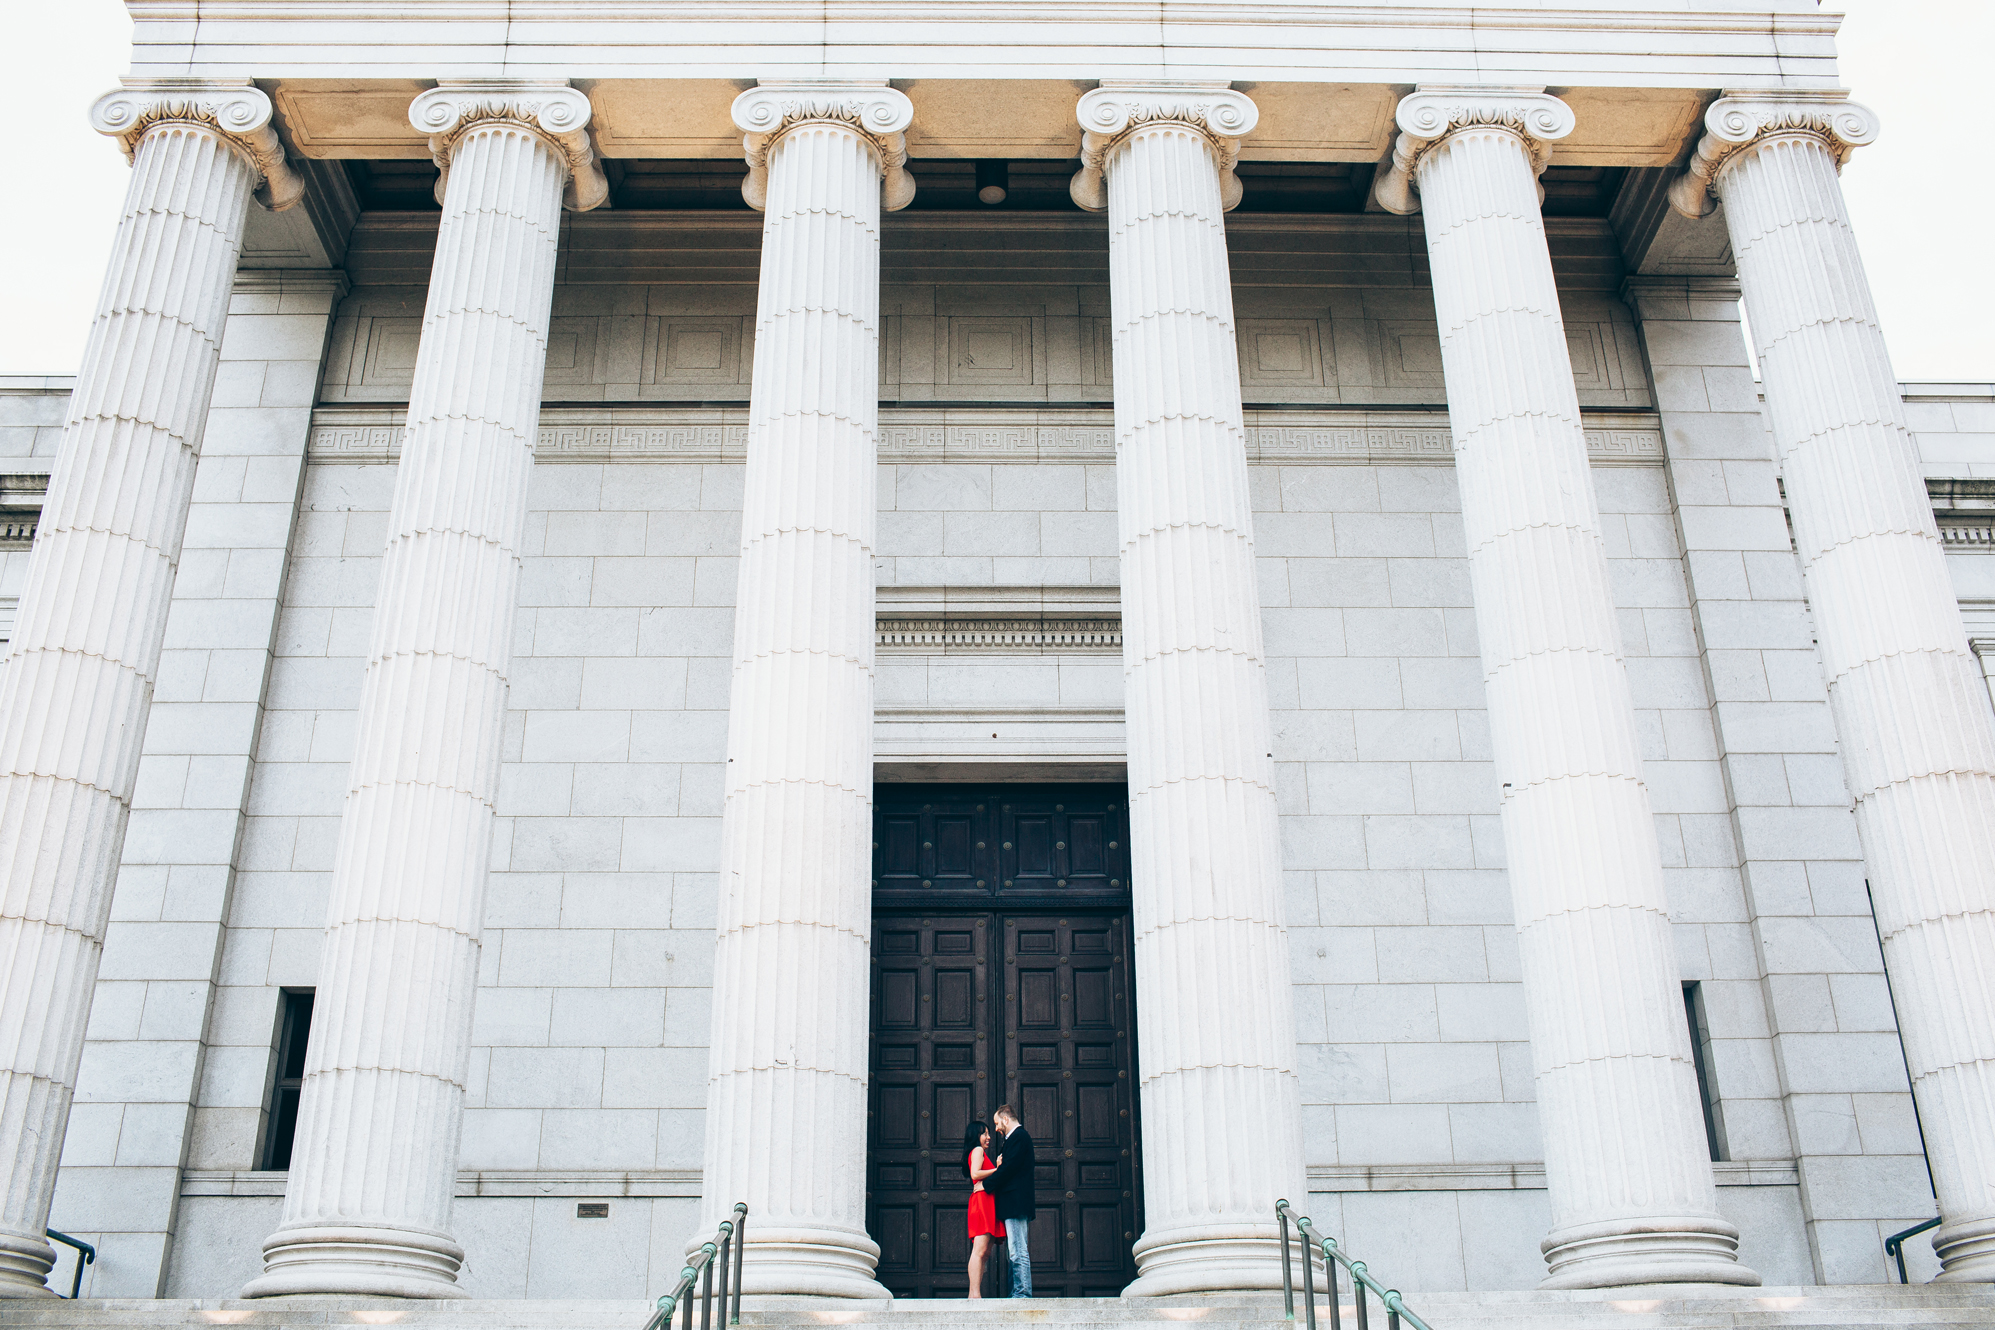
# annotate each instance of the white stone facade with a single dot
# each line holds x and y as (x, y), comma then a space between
(1351, 671)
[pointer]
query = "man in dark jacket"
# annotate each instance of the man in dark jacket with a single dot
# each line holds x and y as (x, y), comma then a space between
(1011, 1191)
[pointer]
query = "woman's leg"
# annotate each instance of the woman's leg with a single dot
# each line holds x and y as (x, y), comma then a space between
(978, 1246)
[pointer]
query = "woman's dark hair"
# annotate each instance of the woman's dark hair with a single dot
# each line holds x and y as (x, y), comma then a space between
(972, 1136)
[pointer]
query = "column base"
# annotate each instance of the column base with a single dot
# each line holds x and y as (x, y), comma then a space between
(25, 1260)
(1211, 1258)
(809, 1262)
(1666, 1249)
(358, 1259)
(1966, 1251)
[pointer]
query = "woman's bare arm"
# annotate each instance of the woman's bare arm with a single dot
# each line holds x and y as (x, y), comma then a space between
(977, 1159)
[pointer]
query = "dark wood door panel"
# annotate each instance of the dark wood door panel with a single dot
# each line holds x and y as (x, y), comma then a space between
(932, 1073)
(1070, 1069)
(1064, 847)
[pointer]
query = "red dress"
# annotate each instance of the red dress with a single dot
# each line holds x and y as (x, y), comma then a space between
(983, 1213)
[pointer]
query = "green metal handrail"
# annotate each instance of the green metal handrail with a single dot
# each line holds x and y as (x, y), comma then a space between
(1333, 1256)
(1894, 1246)
(732, 1238)
(87, 1255)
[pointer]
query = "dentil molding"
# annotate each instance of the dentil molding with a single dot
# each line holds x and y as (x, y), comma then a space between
(1108, 114)
(879, 112)
(555, 111)
(1433, 111)
(235, 109)
(1740, 119)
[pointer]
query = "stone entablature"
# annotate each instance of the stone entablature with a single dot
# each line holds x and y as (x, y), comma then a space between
(1325, 77)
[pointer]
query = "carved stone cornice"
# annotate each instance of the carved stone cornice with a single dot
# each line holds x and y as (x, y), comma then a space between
(1110, 112)
(1741, 119)
(554, 111)
(766, 112)
(1433, 111)
(235, 110)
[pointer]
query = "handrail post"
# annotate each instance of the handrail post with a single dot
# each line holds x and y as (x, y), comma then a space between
(1330, 1272)
(740, 1247)
(707, 1249)
(1308, 1278)
(1288, 1281)
(1358, 1292)
(686, 1277)
(726, 1239)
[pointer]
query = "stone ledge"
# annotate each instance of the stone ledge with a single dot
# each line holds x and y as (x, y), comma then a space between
(1514, 1177)
(677, 1184)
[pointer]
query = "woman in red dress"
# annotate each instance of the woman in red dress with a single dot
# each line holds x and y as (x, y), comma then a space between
(984, 1225)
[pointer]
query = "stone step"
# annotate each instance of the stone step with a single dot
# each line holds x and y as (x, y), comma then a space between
(1928, 1306)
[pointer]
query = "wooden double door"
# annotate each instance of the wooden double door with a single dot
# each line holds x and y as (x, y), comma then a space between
(975, 1004)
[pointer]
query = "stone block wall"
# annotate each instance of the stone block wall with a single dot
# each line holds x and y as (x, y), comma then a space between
(592, 1010)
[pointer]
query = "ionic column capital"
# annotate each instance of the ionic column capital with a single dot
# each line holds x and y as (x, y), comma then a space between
(1110, 112)
(556, 112)
(235, 110)
(1742, 119)
(1433, 111)
(766, 112)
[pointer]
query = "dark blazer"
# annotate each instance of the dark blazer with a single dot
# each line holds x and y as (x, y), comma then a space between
(1011, 1186)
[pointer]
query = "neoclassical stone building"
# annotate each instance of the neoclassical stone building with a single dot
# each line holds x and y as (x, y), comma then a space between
(640, 606)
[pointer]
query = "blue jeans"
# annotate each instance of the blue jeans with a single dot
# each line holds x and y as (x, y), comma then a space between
(1019, 1253)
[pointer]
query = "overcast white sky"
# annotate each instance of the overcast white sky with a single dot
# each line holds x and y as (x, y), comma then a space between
(1922, 198)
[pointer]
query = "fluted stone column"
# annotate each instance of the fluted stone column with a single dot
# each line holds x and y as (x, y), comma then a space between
(1222, 1107)
(367, 1204)
(1626, 1159)
(74, 694)
(786, 1101)
(1917, 735)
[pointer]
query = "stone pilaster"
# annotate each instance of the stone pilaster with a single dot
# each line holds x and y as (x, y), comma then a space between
(132, 1129)
(1838, 1103)
(367, 1205)
(86, 645)
(786, 1107)
(1917, 735)
(1626, 1162)
(1222, 1107)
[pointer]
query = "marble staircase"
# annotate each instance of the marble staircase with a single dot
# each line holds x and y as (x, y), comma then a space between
(1679, 1307)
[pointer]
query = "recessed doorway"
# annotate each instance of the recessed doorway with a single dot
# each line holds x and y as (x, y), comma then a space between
(1001, 973)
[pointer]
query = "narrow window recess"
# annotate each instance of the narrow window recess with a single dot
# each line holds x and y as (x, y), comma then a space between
(1700, 1057)
(592, 1210)
(294, 1028)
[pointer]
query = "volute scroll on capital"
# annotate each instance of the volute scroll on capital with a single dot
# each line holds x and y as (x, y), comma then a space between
(1110, 112)
(236, 110)
(1740, 119)
(557, 112)
(1431, 112)
(765, 112)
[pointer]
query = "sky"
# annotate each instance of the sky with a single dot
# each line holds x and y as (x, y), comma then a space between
(1921, 198)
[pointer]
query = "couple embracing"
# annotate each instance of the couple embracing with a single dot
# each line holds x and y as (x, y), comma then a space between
(998, 1161)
